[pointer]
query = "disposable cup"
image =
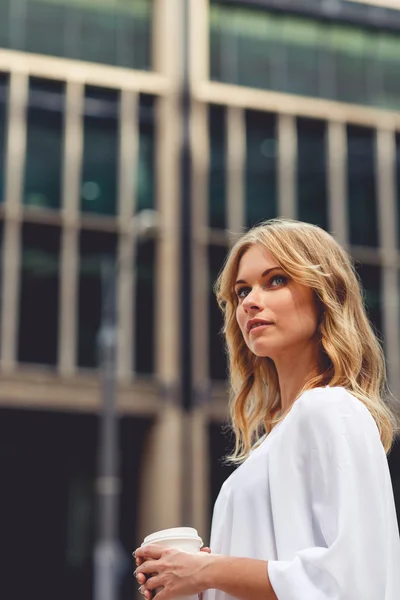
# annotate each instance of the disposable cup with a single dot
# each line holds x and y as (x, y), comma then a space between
(180, 538)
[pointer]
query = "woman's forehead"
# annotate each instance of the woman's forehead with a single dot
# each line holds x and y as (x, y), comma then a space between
(256, 258)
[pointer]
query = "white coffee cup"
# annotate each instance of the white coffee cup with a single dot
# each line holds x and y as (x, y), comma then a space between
(180, 538)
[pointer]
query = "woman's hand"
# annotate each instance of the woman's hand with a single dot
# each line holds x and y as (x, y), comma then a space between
(172, 572)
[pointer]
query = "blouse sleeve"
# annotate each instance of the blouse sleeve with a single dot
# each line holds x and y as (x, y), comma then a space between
(348, 484)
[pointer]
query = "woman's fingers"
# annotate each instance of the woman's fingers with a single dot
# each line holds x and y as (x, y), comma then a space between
(138, 561)
(146, 593)
(151, 551)
(141, 578)
(153, 583)
(150, 566)
(206, 549)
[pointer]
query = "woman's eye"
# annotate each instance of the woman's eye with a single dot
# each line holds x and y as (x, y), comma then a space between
(242, 292)
(277, 280)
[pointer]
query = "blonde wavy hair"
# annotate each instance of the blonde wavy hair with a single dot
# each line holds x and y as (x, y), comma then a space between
(351, 355)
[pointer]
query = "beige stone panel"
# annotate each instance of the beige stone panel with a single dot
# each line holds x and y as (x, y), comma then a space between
(161, 474)
(50, 67)
(200, 172)
(235, 172)
(337, 181)
(287, 162)
(388, 241)
(200, 468)
(292, 104)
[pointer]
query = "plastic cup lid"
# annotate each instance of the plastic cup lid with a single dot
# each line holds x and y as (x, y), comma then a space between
(181, 533)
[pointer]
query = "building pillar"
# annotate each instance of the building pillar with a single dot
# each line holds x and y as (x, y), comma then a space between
(161, 474)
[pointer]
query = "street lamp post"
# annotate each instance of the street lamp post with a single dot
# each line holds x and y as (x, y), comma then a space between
(108, 554)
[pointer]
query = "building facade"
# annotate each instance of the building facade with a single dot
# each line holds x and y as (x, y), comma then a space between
(294, 111)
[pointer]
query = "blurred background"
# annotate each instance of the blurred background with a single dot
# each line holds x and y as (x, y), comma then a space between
(214, 115)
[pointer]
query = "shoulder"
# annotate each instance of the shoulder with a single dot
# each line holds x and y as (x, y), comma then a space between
(333, 409)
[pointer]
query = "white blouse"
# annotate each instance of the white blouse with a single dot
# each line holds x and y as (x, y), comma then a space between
(315, 500)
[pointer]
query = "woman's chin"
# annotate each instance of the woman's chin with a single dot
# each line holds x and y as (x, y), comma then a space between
(262, 350)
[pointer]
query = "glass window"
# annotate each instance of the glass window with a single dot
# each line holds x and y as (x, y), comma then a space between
(100, 156)
(311, 172)
(216, 344)
(3, 132)
(261, 157)
(388, 58)
(114, 32)
(303, 55)
(371, 277)
(43, 24)
(146, 180)
(349, 46)
(361, 188)
(39, 295)
(398, 182)
(217, 174)
(301, 39)
(43, 169)
(111, 32)
(145, 307)
(4, 23)
(94, 246)
(240, 38)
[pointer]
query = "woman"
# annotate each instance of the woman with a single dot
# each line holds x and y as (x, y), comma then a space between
(309, 514)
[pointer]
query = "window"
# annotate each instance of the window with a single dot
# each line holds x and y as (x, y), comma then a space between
(349, 47)
(116, 33)
(388, 57)
(371, 277)
(43, 170)
(240, 38)
(145, 307)
(146, 179)
(100, 156)
(217, 173)
(43, 26)
(4, 23)
(259, 48)
(39, 296)
(3, 103)
(216, 345)
(94, 246)
(261, 160)
(311, 172)
(109, 32)
(362, 201)
(301, 40)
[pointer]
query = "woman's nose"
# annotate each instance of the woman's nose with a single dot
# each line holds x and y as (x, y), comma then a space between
(252, 301)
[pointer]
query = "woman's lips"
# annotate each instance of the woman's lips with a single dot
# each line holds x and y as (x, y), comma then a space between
(260, 327)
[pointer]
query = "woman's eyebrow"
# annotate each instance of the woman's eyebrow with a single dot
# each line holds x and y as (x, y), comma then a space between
(266, 272)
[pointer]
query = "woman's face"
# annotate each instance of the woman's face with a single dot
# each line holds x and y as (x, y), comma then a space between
(275, 314)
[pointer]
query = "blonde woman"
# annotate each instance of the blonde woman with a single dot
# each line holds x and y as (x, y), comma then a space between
(309, 514)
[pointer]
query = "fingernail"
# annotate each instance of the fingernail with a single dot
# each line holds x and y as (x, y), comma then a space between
(134, 554)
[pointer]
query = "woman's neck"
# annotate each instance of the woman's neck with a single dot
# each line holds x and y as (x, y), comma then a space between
(293, 373)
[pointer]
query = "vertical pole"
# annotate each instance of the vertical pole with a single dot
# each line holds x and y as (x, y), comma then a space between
(107, 551)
